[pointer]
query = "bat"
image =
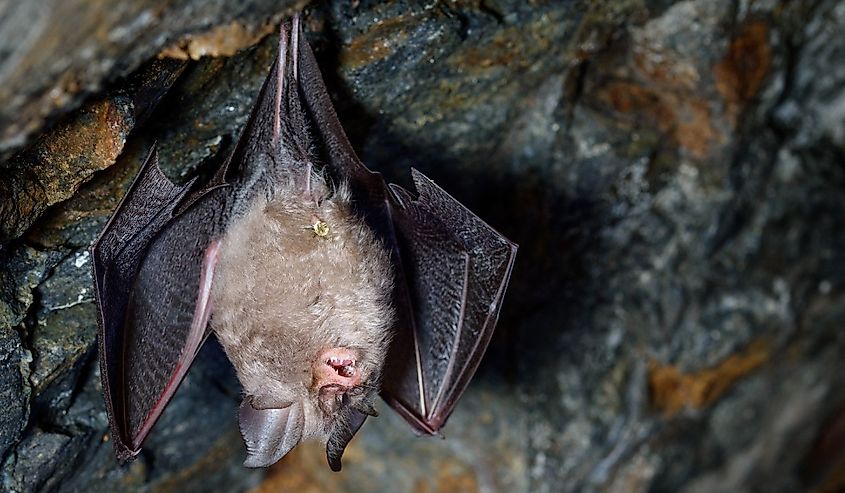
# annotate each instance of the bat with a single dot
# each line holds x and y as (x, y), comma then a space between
(325, 286)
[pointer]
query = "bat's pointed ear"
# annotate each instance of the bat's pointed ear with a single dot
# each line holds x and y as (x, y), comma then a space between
(269, 434)
(341, 437)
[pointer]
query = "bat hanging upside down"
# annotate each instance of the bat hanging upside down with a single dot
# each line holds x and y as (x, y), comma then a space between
(325, 286)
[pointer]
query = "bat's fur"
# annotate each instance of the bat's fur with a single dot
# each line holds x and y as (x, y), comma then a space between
(282, 295)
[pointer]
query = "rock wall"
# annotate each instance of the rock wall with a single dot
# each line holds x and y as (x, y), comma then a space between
(671, 169)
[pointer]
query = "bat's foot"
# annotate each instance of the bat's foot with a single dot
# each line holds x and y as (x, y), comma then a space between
(337, 366)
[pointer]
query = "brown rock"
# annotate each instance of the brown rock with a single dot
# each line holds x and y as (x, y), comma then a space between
(673, 390)
(60, 161)
(58, 51)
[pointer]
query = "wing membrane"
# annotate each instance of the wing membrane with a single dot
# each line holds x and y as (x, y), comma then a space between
(457, 268)
(150, 328)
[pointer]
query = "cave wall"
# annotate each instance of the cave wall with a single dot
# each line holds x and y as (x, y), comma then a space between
(672, 170)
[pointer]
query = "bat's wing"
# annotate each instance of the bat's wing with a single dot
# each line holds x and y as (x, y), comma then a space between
(154, 265)
(453, 270)
(456, 269)
(152, 270)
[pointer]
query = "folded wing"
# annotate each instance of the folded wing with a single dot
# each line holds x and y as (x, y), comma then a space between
(456, 270)
(152, 271)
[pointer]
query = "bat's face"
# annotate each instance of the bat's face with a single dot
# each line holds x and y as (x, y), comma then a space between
(301, 304)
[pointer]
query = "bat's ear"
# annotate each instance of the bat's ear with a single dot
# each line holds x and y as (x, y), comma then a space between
(341, 437)
(264, 401)
(269, 434)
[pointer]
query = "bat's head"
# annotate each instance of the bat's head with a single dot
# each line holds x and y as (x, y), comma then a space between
(302, 306)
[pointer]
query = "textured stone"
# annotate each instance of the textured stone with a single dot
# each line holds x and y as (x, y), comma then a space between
(60, 161)
(22, 269)
(56, 52)
(14, 390)
(671, 170)
(65, 323)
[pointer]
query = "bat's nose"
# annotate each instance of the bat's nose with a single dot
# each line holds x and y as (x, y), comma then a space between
(343, 367)
(337, 366)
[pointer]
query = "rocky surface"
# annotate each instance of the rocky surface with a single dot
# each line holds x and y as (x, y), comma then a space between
(671, 169)
(56, 52)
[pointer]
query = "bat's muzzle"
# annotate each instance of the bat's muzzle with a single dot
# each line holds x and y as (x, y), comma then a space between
(337, 367)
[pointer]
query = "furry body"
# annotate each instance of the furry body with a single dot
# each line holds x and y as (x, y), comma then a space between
(283, 296)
